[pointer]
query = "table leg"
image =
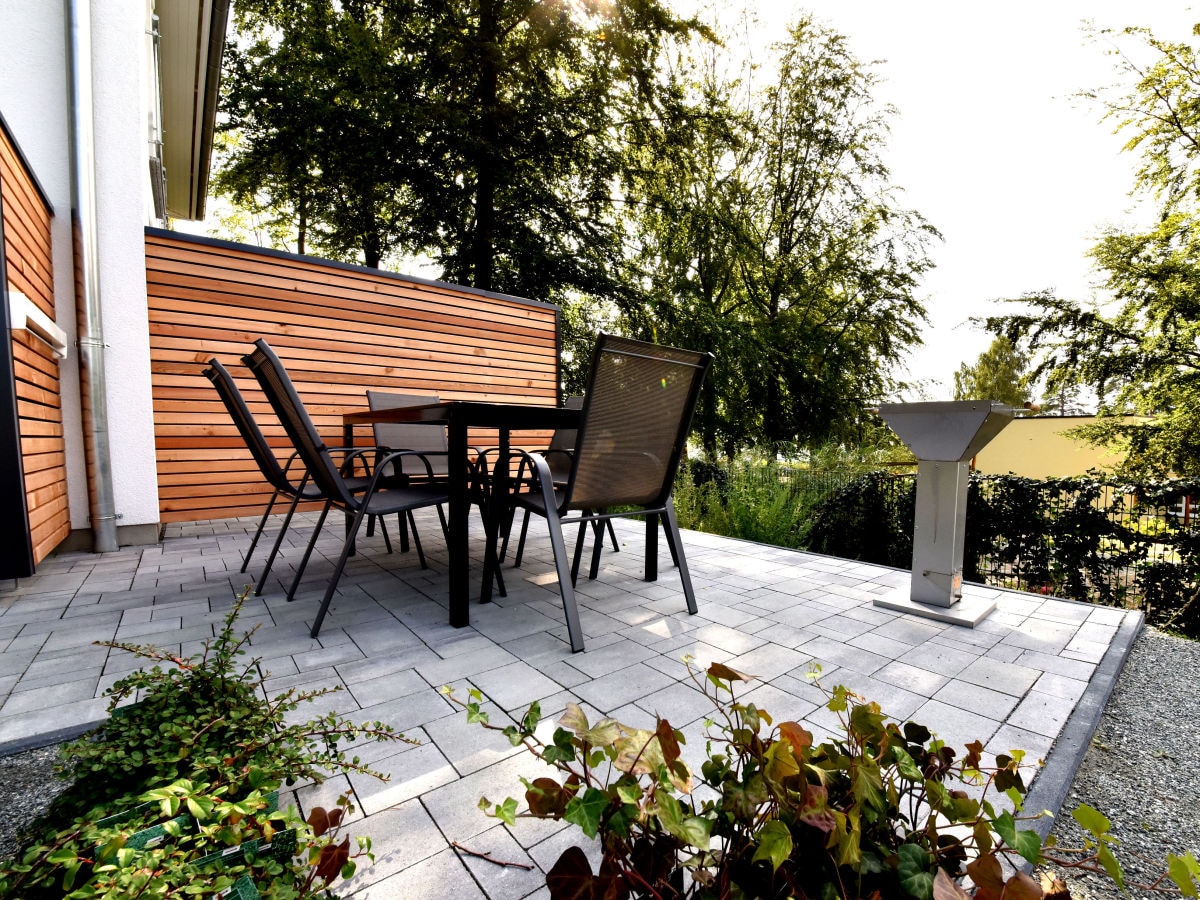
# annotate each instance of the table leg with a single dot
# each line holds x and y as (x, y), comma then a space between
(459, 551)
(496, 508)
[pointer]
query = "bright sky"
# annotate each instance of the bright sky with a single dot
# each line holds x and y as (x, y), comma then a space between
(990, 145)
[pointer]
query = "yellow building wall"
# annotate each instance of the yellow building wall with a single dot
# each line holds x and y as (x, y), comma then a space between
(1039, 447)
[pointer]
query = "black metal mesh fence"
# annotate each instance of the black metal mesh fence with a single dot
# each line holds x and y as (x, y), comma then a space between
(1134, 545)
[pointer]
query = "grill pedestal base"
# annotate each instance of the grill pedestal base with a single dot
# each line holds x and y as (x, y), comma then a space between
(968, 612)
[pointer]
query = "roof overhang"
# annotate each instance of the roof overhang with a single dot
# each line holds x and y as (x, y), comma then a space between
(191, 44)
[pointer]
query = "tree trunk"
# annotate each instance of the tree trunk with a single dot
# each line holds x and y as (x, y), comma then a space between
(483, 248)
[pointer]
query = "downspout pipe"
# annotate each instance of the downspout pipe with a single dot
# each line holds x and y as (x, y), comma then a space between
(94, 392)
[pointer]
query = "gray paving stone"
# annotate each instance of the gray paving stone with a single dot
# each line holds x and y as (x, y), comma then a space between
(944, 660)
(977, 699)
(626, 686)
(912, 678)
(769, 661)
(508, 882)
(515, 686)
(957, 727)
(1042, 713)
(617, 655)
(1006, 677)
(845, 655)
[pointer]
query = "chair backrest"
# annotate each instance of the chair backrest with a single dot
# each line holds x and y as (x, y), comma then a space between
(247, 427)
(563, 439)
(277, 385)
(633, 430)
(403, 436)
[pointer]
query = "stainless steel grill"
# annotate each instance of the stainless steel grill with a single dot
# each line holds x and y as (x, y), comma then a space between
(944, 436)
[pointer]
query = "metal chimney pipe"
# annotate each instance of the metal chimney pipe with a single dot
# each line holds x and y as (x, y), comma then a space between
(88, 319)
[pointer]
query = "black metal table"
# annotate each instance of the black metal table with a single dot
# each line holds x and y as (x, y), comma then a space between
(458, 417)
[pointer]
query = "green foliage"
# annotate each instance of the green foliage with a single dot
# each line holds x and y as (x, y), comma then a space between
(871, 519)
(753, 499)
(190, 770)
(1138, 353)
(769, 235)
(1093, 539)
(999, 374)
(879, 809)
(488, 136)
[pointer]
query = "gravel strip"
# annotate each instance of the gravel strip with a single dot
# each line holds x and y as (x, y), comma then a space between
(27, 785)
(1142, 769)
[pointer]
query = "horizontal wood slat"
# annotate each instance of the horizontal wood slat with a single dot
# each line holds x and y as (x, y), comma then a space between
(28, 252)
(340, 330)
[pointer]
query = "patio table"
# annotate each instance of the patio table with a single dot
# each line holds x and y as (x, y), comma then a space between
(458, 417)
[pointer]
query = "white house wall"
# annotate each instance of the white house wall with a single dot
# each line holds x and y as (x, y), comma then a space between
(35, 102)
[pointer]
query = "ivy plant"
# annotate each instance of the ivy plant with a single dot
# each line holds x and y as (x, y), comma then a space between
(877, 809)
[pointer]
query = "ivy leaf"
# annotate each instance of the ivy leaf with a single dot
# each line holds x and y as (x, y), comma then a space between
(1091, 820)
(1104, 856)
(774, 844)
(694, 831)
(915, 877)
(585, 810)
(721, 672)
(946, 888)
(906, 766)
(1183, 870)
(574, 719)
(1027, 843)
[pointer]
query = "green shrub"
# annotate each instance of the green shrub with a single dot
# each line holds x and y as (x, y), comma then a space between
(190, 770)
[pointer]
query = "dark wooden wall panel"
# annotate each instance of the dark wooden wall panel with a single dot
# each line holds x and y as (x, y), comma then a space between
(339, 329)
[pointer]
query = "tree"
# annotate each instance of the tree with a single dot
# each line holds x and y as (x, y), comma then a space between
(1140, 353)
(487, 134)
(998, 374)
(775, 240)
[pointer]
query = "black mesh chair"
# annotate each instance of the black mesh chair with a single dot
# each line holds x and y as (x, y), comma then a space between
(558, 458)
(632, 434)
(380, 498)
(277, 476)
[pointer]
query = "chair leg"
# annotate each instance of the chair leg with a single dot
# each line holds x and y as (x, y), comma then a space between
(337, 572)
(672, 547)
(387, 540)
(652, 546)
(521, 541)
(579, 542)
(287, 521)
(671, 527)
(412, 523)
(598, 530)
(558, 545)
(612, 533)
(312, 542)
(258, 531)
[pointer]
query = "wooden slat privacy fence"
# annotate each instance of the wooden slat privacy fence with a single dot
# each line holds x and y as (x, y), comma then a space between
(339, 329)
(30, 270)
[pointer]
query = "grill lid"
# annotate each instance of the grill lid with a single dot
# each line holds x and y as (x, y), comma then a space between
(946, 431)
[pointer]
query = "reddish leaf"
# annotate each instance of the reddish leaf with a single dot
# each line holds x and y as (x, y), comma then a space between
(946, 888)
(318, 821)
(546, 798)
(799, 739)
(988, 877)
(1022, 887)
(974, 755)
(571, 878)
(329, 864)
(1054, 889)
(724, 673)
(666, 740)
